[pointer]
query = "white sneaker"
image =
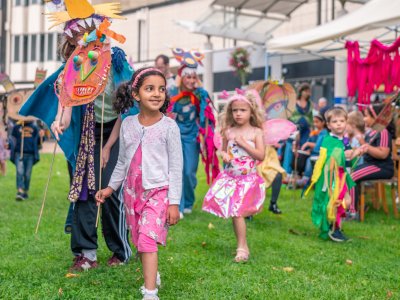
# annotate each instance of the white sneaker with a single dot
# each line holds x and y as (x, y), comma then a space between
(150, 297)
(187, 211)
(158, 284)
(180, 215)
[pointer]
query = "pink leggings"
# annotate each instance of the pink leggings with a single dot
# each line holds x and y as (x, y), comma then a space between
(146, 244)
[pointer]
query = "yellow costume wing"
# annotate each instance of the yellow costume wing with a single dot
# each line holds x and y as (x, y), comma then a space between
(317, 168)
(270, 166)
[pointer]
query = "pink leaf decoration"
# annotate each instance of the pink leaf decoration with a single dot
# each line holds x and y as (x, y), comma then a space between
(276, 130)
(224, 95)
(240, 92)
(217, 139)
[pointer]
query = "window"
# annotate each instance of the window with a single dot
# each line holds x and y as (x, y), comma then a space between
(35, 1)
(17, 2)
(16, 48)
(33, 47)
(41, 47)
(25, 45)
(50, 46)
(59, 41)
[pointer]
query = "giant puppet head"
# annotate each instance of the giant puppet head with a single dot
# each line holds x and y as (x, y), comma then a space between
(279, 100)
(85, 74)
(87, 69)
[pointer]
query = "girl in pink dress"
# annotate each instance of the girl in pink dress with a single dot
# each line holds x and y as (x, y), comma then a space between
(150, 168)
(239, 191)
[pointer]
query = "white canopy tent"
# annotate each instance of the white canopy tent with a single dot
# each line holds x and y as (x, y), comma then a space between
(246, 20)
(375, 19)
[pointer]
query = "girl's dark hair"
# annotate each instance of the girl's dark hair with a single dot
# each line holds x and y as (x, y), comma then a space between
(124, 100)
(377, 109)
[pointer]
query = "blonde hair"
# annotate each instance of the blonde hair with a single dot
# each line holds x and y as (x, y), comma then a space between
(256, 114)
(335, 112)
(356, 118)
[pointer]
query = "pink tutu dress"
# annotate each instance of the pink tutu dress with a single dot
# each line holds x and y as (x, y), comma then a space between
(238, 191)
(146, 210)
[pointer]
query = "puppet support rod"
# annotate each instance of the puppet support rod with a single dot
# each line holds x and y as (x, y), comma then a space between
(101, 157)
(48, 179)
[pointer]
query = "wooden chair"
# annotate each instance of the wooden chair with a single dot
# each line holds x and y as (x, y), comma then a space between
(379, 187)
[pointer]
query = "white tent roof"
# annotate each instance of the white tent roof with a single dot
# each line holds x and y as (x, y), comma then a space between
(374, 14)
(246, 20)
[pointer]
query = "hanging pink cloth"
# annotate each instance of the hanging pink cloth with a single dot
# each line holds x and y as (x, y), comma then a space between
(380, 66)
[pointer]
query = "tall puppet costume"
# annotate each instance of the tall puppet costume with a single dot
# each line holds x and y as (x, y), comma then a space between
(332, 187)
(79, 95)
(193, 109)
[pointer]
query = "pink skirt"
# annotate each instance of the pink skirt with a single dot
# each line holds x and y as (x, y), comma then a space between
(235, 196)
(146, 210)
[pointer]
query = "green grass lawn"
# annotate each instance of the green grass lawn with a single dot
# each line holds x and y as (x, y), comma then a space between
(287, 261)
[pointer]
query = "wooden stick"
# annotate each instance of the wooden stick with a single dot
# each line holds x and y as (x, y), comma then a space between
(101, 157)
(48, 179)
(21, 150)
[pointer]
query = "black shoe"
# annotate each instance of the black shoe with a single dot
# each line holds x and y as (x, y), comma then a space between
(274, 208)
(25, 196)
(19, 197)
(337, 236)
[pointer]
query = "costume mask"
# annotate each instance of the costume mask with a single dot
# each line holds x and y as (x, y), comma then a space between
(85, 75)
(15, 100)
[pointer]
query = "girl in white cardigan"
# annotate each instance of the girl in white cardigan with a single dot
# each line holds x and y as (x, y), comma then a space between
(149, 167)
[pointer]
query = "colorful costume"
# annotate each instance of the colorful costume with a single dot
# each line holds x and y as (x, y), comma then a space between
(150, 169)
(238, 190)
(83, 82)
(332, 185)
(196, 122)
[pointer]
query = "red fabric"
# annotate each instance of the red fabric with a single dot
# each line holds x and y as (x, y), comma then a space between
(380, 66)
(182, 94)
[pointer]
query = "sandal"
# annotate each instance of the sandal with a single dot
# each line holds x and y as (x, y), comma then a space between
(242, 255)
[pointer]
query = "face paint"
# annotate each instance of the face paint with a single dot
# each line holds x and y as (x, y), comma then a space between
(85, 75)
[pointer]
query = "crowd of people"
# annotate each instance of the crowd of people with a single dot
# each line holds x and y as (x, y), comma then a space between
(144, 137)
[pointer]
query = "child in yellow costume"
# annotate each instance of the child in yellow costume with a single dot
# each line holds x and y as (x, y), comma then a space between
(331, 179)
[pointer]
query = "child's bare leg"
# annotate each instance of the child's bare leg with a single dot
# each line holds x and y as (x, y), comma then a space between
(3, 167)
(239, 226)
(150, 266)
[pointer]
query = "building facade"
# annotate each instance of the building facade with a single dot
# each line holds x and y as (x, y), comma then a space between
(150, 28)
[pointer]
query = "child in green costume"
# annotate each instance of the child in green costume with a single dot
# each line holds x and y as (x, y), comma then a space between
(331, 179)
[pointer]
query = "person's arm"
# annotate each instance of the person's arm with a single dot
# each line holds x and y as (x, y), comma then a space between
(376, 152)
(58, 127)
(175, 167)
(257, 153)
(225, 156)
(111, 141)
(382, 150)
(309, 145)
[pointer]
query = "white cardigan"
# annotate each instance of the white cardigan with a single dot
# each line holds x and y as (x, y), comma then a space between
(162, 158)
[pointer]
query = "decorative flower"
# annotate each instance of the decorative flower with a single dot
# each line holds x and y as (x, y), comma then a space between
(239, 60)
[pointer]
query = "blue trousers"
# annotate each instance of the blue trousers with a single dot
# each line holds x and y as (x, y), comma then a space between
(288, 157)
(24, 170)
(191, 150)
